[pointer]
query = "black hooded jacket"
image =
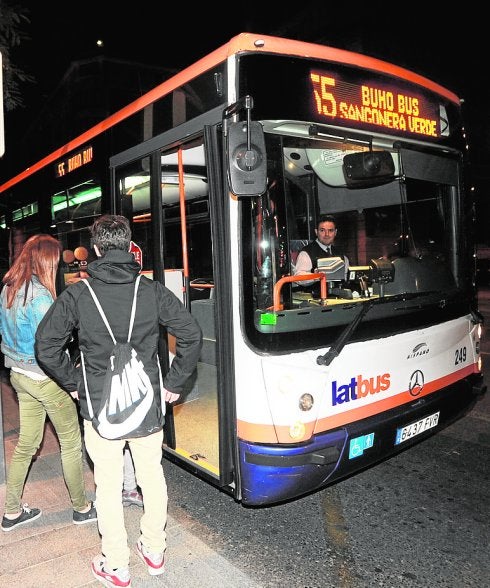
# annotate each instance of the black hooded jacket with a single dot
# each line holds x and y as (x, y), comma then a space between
(112, 278)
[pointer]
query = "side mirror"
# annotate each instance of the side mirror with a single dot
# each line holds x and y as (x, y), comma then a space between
(247, 158)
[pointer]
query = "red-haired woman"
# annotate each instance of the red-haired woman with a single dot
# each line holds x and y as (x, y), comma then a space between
(29, 290)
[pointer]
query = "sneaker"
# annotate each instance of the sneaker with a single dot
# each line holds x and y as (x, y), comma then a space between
(118, 577)
(26, 516)
(80, 518)
(130, 497)
(154, 561)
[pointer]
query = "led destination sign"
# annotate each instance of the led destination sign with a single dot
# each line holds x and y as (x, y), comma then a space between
(75, 161)
(375, 105)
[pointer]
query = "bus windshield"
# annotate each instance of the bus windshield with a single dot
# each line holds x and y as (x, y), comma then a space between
(395, 213)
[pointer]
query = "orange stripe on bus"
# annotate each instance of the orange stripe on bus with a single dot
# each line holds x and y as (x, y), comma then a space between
(244, 42)
(262, 433)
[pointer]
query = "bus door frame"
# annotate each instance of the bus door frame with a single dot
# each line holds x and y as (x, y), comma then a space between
(206, 125)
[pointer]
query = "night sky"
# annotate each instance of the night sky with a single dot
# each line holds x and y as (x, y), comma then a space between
(427, 37)
(449, 47)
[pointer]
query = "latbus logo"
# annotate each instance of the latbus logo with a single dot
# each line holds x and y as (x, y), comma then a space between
(359, 388)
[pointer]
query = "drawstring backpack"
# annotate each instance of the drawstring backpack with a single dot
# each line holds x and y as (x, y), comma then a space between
(127, 394)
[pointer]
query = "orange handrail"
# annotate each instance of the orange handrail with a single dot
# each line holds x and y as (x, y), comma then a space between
(201, 286)
(299, 278)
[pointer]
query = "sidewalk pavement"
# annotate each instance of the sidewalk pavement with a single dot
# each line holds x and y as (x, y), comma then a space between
(52, 551)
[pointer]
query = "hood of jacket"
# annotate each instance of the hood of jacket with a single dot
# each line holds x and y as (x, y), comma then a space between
(115, 267)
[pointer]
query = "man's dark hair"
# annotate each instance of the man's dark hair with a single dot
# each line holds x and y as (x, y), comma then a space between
(326, 218)
(111, 231)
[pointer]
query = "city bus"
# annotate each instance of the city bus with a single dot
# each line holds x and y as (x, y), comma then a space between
(224, 170)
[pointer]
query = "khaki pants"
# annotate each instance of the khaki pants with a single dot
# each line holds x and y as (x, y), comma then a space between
(107, 456)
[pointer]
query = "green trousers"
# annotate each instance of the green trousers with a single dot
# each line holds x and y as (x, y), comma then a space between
(36, 400)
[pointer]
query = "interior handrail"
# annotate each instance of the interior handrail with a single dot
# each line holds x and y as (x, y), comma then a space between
(299, 278)
(201, 286)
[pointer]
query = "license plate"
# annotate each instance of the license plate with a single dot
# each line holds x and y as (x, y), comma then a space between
(414, 429)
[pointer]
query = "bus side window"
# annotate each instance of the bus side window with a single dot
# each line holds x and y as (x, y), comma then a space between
(188, 248)
(295, 247)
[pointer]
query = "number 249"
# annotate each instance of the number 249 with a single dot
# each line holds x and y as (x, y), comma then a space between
(460, 355)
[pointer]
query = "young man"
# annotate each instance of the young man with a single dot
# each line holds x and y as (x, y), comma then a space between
(322, 246)
(112, 277)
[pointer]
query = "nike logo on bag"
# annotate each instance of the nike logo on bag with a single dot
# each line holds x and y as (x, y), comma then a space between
(130, 388)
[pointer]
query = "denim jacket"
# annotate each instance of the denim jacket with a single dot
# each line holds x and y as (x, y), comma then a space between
(18, 324)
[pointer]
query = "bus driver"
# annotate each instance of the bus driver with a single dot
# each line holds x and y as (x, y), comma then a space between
(322, 246)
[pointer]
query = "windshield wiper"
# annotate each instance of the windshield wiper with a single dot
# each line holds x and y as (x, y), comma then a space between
(346, 334)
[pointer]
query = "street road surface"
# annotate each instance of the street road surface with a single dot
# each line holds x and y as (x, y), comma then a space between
(418, 520)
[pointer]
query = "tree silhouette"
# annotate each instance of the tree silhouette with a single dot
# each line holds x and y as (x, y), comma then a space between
(12, 20)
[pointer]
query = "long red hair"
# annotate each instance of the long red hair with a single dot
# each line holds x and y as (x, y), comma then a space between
(40, 256)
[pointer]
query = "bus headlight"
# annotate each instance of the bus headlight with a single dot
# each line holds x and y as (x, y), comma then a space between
(306, 402)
